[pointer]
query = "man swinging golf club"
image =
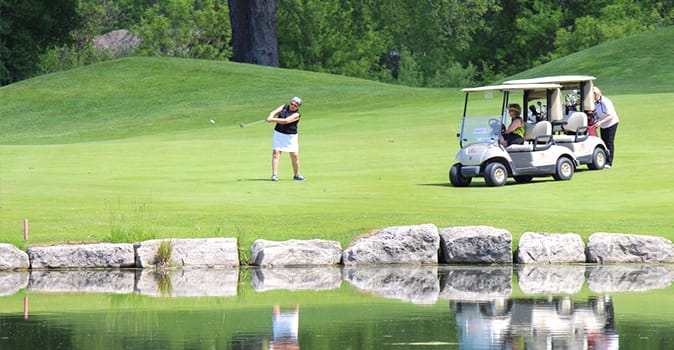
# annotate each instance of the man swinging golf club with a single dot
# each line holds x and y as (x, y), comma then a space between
(286, 117)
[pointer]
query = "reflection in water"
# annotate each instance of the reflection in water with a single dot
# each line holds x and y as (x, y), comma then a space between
(632, 278)
(483, 312)
(532, 323)
(82, 281)
(295, 278)
(414, 284)
(566, 279)
(188, 283)
(476, 282)
(13, 281)
(285, 329)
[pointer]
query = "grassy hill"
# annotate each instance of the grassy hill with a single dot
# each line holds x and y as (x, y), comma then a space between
(124, 151)
(641, 63)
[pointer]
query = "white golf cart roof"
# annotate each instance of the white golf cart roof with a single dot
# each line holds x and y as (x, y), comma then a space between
(560, 79)
(509, 87)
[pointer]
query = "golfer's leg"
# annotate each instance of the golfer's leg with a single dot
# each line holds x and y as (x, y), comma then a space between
(610, 142)
(295, 159)
(275, 156)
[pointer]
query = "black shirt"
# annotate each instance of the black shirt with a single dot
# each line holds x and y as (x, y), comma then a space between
(291, 128)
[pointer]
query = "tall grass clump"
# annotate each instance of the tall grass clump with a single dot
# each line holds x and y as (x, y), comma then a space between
(163, 258)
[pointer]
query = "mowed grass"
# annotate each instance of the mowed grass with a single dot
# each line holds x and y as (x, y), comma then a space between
(124, 151)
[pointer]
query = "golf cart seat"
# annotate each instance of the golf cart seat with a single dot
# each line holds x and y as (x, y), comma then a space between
(537, 137)
(575, 129)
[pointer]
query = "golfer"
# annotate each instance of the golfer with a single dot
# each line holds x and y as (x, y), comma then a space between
(286, 117)
(607, 120)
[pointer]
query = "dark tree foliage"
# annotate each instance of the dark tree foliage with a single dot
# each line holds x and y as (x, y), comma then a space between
(27, 29)
(254, 31)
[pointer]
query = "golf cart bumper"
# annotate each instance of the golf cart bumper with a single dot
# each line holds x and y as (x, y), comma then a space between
(470, 170)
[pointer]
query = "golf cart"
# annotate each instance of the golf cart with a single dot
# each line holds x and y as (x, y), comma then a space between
(482, 155)
(571, 128)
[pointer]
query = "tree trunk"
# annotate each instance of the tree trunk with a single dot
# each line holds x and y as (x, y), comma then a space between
(254, 31)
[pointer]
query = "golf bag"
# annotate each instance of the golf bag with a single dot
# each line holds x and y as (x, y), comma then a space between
(591, 120)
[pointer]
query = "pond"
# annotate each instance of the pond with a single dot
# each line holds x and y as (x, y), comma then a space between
(402, 307)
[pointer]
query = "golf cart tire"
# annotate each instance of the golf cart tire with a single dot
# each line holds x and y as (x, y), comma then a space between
(495, 174)
(455, 177)
(523, 179)
(598, 159)
(564, 169)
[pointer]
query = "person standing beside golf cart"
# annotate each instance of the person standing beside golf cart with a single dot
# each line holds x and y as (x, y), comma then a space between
(514, 134)
(606, 119)
(285, 138)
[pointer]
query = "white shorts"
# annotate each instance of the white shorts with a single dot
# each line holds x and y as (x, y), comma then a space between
(285, 143)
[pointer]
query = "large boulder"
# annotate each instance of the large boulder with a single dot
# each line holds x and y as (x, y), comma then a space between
(11, 258)
(416, 244)
(475, 245)
(295, 252)
(606, 248)
(550, 248)
(117, 42)
(82, 255)
(194, 252)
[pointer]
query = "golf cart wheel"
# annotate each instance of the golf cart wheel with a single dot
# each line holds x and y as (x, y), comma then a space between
(523, 179)
(456, 178)
(495, 174)
(564, 170)
(598, 159)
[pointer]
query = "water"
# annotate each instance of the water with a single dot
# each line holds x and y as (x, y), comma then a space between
(447, 307)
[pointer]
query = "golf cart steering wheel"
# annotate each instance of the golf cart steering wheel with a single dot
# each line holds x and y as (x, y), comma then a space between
(496, 126)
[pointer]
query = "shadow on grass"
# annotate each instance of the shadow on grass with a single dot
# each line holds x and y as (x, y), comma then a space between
(484, 185)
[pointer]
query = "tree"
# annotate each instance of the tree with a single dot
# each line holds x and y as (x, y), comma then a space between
(253, 25)
(338, 37)
(28, 28)
(185, 28)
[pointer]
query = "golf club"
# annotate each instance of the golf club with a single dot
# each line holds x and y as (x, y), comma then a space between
(243, 125)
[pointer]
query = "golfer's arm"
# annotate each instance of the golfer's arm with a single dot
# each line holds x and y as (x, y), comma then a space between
(274, 113)
(293, 118)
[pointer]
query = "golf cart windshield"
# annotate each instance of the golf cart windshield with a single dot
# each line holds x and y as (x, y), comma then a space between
(483, 129)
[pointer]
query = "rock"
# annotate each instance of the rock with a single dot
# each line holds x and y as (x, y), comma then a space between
(475, 244)
(117, 43)
(11, 258)
(550, 248)
(196, 252)
(413, 284)
(538, 279)
(606, 248)
(83, 281)
(296, 278)
(416, 244)
(315, 252)
(82, 256)
(629, 278)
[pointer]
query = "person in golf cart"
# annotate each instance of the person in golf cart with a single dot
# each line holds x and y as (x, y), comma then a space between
(514, 134)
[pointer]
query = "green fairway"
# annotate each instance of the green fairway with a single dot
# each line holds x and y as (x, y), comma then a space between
(124, 151)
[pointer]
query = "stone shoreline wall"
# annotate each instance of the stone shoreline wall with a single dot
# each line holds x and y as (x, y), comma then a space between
(400, 245)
